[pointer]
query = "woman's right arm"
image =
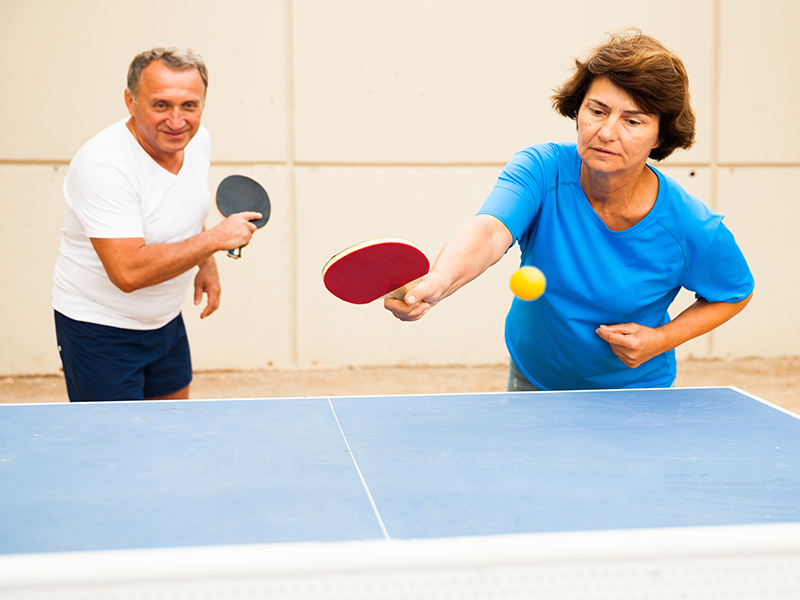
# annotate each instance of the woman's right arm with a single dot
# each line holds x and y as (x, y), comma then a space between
(481, 243)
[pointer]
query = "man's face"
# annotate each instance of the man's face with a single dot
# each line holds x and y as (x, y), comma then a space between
(165, 114)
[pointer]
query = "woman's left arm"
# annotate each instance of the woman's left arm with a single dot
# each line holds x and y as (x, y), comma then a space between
(635, 344)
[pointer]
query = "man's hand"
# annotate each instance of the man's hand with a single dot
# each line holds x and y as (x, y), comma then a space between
(236, 230)
(207, 282)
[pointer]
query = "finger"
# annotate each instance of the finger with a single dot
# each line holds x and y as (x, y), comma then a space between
(419, 311)
(619, 328)
(397, 306)
(403, 311)
(423, 290)
(615, 333)
(248, 215)
(212, 306)
(605, 333)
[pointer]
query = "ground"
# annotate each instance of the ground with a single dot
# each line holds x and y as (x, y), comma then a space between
(776, 380)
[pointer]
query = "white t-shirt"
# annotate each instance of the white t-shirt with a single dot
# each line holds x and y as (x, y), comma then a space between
(114, 189)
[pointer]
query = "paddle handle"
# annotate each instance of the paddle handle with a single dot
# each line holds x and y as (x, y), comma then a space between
(235, 253)
(400, 292)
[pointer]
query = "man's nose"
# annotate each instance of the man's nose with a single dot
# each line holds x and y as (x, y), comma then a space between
(176, 118)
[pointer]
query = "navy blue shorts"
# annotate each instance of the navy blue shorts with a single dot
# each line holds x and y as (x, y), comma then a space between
(109, 363)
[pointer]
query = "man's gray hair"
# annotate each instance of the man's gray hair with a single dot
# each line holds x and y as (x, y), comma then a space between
(175, 59)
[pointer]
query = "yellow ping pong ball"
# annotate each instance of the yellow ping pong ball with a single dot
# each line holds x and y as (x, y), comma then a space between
(528, 283)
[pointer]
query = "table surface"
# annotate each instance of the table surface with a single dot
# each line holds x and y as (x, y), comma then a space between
(130, 475)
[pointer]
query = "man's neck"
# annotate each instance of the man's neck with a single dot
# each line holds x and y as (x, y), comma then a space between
(170, 161)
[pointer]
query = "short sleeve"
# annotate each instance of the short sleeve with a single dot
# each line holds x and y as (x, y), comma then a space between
(722, 273)
(517, 196)
(105, 200)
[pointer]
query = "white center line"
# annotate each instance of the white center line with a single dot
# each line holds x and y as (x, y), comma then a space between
(363, 482)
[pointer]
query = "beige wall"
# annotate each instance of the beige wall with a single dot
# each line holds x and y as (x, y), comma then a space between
(365, 118)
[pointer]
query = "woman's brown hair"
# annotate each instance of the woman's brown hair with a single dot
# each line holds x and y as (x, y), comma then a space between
(654, 77)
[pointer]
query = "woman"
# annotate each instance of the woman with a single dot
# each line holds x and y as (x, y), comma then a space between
(615, 238)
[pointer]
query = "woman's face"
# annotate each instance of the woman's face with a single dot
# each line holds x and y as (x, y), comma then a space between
(614, 135)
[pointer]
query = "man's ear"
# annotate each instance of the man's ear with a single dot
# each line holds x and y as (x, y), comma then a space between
(129, 101)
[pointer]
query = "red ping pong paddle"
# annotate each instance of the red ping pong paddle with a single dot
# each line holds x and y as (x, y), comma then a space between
(374, 269)
(238, 193)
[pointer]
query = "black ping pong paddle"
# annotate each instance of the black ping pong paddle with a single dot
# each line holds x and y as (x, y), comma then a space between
(238, 193)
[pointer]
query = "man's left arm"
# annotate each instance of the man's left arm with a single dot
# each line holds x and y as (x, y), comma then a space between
(207, 282)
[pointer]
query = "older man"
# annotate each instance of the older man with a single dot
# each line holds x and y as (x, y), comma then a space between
(136, 198)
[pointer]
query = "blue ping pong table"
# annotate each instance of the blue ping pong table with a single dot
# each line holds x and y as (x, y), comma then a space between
(597, 494)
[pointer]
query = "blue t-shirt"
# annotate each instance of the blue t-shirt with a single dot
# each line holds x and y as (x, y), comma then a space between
(596, 276)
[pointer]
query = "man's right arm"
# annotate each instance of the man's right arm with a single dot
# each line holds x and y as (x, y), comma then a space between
(131, 264)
